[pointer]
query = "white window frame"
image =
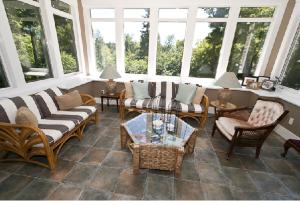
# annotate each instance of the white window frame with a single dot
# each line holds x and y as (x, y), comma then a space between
(10, 57)
(283, 54)
(192, 5)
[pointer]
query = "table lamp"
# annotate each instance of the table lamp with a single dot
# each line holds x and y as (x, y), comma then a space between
(227, 80)
(110, 73)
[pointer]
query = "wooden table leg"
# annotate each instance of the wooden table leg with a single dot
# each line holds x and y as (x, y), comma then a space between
(107, 101)
(117, 100)
(102, 104)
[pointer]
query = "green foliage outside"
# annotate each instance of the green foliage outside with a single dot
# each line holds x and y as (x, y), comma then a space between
(25, 23)
(3, 80)
(67, 46)
(292, 74)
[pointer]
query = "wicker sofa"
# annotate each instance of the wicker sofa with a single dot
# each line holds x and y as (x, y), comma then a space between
(55, 127)
(164, 93)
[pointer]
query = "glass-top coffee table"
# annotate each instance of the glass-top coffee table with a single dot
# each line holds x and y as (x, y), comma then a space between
(158, 141)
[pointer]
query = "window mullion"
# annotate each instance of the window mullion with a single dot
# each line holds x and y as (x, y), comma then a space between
(188, 43)
(228, 40)
(153, 42)
(51, 37)
(120, 50)
(10, 60)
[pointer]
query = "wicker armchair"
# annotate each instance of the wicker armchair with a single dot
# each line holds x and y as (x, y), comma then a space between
(249, 130)
(156, 157)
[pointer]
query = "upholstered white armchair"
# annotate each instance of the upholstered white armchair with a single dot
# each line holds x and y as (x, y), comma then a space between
(249, 130)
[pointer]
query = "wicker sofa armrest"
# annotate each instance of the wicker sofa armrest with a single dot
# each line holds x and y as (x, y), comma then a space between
(205, 103)
(88, 99)
(122, 95)
(19, 138)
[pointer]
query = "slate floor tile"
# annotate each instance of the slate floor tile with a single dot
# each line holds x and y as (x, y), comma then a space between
(3, 175)
(91, 194)
(80, 174)
(105, 179)
(37, 190)
(12, 185)
(159, 188)
(94, 156)
(216, 192)
(131, 184)
(207, 156)
(74, 153)
(246, 195)
(65, 192)
(105, 142)
(188, 190)
(292, 183)
(189, 171)
(279, 166)
(239, 178)
(11, 166)
(252, 163)
(211, 173)
(117, 159)
(266, 182)
(117, 196)
(233, 161)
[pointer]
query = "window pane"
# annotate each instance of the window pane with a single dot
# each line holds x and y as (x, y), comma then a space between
(102, 13)
(252, 12)
(67, 45)
(26, 26)
(105, 44)
(170, 45)
(247, 45)
(206, 49)
(173, 13)
(212, 12)
(292, 73)
(136, 47)
(60, 5)
(137, 13)
(3, 80)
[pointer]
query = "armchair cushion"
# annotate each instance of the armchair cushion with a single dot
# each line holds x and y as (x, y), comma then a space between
(265, 112)
(227, 126)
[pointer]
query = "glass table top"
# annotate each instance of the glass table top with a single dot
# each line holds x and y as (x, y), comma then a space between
(154, 128)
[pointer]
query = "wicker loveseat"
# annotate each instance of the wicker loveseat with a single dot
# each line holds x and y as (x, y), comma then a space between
(164, 93)
(55, 127)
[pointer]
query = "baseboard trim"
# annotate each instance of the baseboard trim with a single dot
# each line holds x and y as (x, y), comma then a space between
(285, 133)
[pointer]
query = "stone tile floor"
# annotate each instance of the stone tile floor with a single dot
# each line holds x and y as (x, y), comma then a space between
(96, 168)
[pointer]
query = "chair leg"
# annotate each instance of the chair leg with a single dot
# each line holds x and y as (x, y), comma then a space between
(257, 151)
(230, 150)
(214, 130)
(286, 148)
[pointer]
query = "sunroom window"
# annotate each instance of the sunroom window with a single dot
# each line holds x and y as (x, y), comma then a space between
(104, 30)
(208, 38)
(291, 72)
(170, 41)
(249, 39)
(3, 79)
(28, 33)
(136, 36)
(66, 37)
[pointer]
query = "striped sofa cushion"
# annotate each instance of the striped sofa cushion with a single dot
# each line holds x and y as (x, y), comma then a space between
(9, 107)
(50, 109)
(140, 104)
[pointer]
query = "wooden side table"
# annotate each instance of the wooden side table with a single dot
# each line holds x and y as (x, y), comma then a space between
(115, 96)
(218, 106)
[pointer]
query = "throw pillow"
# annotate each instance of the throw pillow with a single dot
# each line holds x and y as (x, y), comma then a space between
(69, 100)
(140, 90)
(26, 118)
(186, 93)
(128, 88)
(198, 95)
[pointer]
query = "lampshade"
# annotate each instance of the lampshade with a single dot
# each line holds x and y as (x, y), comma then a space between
(228, 80)
(110, 72)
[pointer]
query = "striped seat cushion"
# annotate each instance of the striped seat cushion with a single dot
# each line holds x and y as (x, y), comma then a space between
(140, 104)
(167, 104)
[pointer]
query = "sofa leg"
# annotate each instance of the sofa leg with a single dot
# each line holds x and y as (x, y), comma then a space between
(214, 130)
(230, 151)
